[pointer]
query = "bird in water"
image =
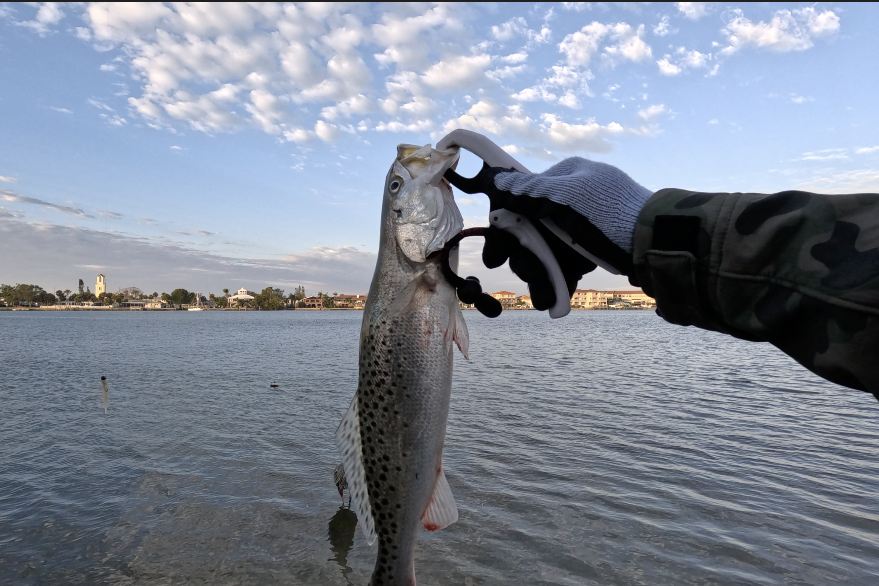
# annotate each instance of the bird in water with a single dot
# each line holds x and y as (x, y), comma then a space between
(274, 385)
(341, 481)
(105, 393)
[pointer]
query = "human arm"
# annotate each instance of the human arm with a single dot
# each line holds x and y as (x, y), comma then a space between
(798, 270)
(795, 269)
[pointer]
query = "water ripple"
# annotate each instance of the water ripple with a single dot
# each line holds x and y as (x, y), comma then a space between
(607, 448)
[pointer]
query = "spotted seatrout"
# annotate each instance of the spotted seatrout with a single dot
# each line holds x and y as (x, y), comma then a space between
(391, 438)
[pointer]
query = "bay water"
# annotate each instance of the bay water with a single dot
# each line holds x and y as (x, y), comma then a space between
(606, 448)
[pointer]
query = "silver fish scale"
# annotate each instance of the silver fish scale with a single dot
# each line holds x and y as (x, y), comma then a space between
(403, 399)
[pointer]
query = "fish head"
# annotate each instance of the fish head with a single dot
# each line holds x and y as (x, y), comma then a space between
(420, 205)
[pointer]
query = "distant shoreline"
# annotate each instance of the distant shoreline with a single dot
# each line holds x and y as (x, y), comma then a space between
(105, 308)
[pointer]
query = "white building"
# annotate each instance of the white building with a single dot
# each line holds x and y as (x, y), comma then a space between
(242, 295)
(100, 286)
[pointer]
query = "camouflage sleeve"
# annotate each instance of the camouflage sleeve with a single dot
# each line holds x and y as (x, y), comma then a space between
(796, 269)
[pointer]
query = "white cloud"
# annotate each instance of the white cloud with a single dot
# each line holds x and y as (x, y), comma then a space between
(825, 155)
(577, 6)
(420, 126)
(325, 131)
(666, 67)
(563, 79)
(12, 196)
(519, 57)
(109, 215)
(510, 29)
(99, 105)
(8, 179)
(579, 47)
(62, 110)
(630, 44)
(457, 73)
(266, 111)
(176, 148)
(358, 104)
(299, 135)
(490, 117)
(114, 119)
(307, 72)
(800, 99)
(694, 10)
(787, 31)
(664, 28)
(48, 13)
(854, 181)
(713, 121)
(408, 40)
(866, 150)
(162, 264)
(108, 67)
(684, 60)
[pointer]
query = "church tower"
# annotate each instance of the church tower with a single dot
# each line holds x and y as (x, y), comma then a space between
(100, 286)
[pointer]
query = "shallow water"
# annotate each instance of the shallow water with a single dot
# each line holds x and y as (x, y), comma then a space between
(605, 448)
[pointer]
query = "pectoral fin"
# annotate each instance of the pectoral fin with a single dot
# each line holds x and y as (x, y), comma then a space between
(414, 296)
(348, 441)
(441, 511)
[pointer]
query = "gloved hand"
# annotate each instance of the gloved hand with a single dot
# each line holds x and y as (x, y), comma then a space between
(595, 203)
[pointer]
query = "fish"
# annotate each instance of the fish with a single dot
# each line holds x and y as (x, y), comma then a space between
(391, 438)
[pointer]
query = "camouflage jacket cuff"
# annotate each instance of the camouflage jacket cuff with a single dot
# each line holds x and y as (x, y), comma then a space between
(796, 269)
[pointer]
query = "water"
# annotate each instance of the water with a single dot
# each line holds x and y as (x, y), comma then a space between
(605, 448)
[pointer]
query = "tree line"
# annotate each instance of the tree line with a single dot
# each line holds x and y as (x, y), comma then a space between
(24, 294)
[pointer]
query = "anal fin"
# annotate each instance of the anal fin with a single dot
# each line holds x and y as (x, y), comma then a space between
(441, 511)
(348, 441)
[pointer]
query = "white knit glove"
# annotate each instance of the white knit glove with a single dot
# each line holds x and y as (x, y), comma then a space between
(601, 193)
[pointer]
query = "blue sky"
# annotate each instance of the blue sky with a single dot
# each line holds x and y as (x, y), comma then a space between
(213, 146)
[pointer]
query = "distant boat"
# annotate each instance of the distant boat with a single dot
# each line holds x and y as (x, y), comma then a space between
(198, 306)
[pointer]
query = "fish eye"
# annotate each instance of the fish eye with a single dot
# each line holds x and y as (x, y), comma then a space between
(395, 184)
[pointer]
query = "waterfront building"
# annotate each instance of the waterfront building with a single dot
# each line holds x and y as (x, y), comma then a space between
(100, 286)
(350, 301)
(589, 299)
(313, 302)
(156, 303)
(242, 295)
(506, 298)
(524, 301)
(592, 299)
(635, 298)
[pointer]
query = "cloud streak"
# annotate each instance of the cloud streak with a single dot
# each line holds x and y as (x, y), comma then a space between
(164, 266)
(12, 196)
